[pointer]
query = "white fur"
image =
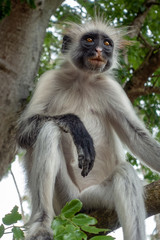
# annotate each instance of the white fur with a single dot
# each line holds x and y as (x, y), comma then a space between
(108, 116)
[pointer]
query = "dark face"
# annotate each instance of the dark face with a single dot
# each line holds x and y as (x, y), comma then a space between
(94, 52)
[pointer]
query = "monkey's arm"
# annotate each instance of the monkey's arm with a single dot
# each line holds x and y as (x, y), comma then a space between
(68, 123)
(34, 118)
(85, 147)
(131, 130)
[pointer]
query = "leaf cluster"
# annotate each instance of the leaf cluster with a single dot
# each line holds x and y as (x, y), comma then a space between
(6, 6)
(9, 220)
(67, 226)
(72, 226)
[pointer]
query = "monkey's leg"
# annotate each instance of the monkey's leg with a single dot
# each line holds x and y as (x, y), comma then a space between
(124, 190)
(129, 202)
(42, 172)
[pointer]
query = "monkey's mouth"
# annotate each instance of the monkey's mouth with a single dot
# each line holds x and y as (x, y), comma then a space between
(97, 60)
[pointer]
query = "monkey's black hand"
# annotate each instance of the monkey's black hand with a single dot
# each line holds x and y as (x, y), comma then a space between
(82, 140)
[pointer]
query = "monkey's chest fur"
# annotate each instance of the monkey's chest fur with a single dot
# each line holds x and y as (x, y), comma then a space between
(85, 99)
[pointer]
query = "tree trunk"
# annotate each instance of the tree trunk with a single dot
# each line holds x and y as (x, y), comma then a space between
(21, 37)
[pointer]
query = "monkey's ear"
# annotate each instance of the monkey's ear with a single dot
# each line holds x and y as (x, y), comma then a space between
(66, 43)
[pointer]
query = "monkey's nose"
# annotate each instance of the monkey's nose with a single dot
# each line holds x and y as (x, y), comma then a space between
(99, 51)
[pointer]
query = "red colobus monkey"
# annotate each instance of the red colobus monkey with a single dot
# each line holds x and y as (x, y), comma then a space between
(74, 130)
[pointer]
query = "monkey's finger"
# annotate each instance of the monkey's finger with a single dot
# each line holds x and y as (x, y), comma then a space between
(85, 167)
(80, 161)
(92, 159)
(85, 171)
(85, 159)
(91, 150)
(86, 164)
(91, 165)
(91, 156)
(81, 156)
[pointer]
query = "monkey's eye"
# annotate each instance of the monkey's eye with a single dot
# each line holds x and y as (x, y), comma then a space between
(89, 40)
(106, 43)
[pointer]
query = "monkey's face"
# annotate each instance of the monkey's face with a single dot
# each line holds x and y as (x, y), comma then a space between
(94, 52)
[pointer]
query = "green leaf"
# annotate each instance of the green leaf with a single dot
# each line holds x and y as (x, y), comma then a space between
(17, 233)
(71, 228)
(102, 238)
(71, 208)
(68, 232)
(59, 230)
(1, 230)
(12, 217)
(76, 235)
(58, 221)
(93, 229)
(83, 219)
(69, 236)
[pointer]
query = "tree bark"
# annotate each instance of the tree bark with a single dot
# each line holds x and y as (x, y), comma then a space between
(138, 22)
(136, 86)
(21, 37)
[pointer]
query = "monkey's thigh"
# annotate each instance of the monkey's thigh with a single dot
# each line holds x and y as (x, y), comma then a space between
(122, 191)
(65, 189)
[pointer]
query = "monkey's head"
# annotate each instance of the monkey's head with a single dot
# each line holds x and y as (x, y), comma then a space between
(91, 46)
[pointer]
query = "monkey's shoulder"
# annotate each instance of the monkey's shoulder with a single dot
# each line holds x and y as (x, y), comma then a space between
(47, 77)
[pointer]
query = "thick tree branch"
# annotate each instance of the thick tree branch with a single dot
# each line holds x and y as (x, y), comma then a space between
(144, 91)
(108, 218)
(137, 23)
(136, 86)
(144, 42)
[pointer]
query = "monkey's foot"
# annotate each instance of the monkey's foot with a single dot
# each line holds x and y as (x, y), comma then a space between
(40, 234)
(43, 236)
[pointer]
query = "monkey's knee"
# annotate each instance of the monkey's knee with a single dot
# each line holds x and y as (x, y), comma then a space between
(126, 181)
(125, 171)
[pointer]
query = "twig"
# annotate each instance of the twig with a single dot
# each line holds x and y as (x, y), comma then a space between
(19, 196)
(145, 42)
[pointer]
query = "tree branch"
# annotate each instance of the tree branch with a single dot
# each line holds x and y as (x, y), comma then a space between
(140, 18)
(136, 86)
(18, 192)
(144, 91)
(145, 42)
(108, 218)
